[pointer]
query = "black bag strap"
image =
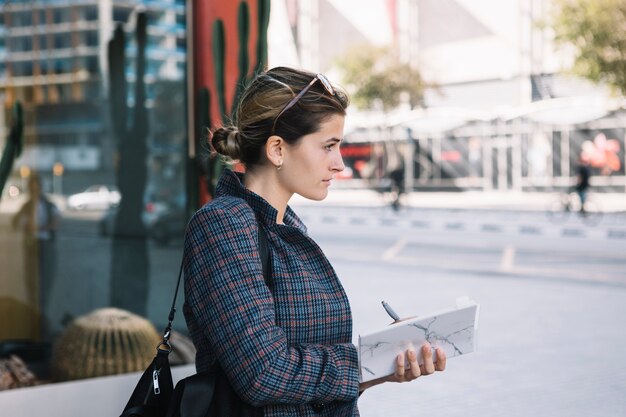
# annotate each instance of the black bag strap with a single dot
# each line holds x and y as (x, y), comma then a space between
(264, 252)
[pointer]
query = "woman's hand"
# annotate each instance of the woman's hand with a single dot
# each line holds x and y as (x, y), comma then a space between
(415, 370)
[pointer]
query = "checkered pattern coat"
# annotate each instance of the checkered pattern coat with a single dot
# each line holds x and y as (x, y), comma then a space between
(286, 348)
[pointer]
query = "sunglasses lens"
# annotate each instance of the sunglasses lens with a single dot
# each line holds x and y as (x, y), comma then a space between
(327, 85)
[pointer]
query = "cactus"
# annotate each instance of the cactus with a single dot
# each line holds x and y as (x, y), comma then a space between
(107, 341)
(219, 46)
(13, 147)
(117, 83)
(129, 269)
(219, 52)
(201, 163)
(243, 30)
(261, 40)
(131, 141)
(213, 167)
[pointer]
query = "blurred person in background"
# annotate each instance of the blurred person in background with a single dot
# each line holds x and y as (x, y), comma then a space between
(395, 171)
(38, 219)
(583, 173)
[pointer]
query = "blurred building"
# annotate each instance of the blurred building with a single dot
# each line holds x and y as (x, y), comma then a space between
(481, 54)
(53, 59)
(506, 114)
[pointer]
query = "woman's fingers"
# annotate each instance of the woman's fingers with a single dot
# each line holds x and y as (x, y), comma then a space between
(441, 360)
(427, 355)
(414, 370)
(403, 373)
(400, 367)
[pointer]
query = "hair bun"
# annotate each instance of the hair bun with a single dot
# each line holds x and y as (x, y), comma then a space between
(227, 141)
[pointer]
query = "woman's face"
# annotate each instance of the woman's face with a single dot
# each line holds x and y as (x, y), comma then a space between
(311, 163)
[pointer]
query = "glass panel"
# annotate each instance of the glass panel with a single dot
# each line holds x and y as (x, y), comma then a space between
(93, 212)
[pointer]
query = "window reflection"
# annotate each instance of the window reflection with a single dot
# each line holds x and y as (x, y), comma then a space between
(60, 75)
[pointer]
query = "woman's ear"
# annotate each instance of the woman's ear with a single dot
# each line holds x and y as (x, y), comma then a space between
(275, 150)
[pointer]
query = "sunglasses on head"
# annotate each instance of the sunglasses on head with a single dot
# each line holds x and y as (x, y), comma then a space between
(322, 79)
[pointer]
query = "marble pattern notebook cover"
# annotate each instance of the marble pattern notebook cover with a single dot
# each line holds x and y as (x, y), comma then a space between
(453, 330)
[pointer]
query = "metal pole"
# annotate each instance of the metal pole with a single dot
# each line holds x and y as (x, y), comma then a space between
(516, 144)
(487, 164)
(624, 161)
(501, 145)
(565, 156)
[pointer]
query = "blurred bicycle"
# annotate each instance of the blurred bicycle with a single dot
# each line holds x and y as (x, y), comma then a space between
(569, 202)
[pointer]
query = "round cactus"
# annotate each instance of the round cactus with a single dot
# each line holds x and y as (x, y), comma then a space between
(106, 341)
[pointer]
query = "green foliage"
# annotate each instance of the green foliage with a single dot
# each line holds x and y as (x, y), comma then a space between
(597, 30)
(376, 77)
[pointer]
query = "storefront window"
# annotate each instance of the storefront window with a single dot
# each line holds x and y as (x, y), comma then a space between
(92, 213)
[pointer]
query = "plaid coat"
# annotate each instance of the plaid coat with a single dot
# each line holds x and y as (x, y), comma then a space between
(287, 349)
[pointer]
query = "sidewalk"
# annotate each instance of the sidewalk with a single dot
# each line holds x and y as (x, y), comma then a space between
(467, 200)
(462, 200)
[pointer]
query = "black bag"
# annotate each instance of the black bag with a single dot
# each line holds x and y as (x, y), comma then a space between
(193, 396)
(153, 392)
(155, 396)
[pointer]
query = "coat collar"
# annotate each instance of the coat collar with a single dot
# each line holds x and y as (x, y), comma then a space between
(231, 184)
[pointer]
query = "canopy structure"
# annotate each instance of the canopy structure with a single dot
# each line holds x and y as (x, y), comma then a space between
(435, 121)
(567, 110)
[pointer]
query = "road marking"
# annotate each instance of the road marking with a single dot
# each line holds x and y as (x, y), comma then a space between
(395, 249)
(468, 270)
(508, 258)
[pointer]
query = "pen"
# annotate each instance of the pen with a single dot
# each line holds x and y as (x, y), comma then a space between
(390, 311)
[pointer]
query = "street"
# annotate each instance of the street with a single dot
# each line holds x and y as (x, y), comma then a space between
(552, 312)
(552, 297)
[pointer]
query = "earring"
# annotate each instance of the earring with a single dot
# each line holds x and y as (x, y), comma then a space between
(279, 166)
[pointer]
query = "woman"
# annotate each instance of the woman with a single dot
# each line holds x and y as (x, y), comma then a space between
(283, 342)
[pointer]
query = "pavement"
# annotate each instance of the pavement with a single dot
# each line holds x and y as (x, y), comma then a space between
(483, 384)
(512, 213)
(462, 200)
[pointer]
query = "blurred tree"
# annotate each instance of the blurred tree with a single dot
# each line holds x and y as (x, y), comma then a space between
(376, 76)
(597, 30)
